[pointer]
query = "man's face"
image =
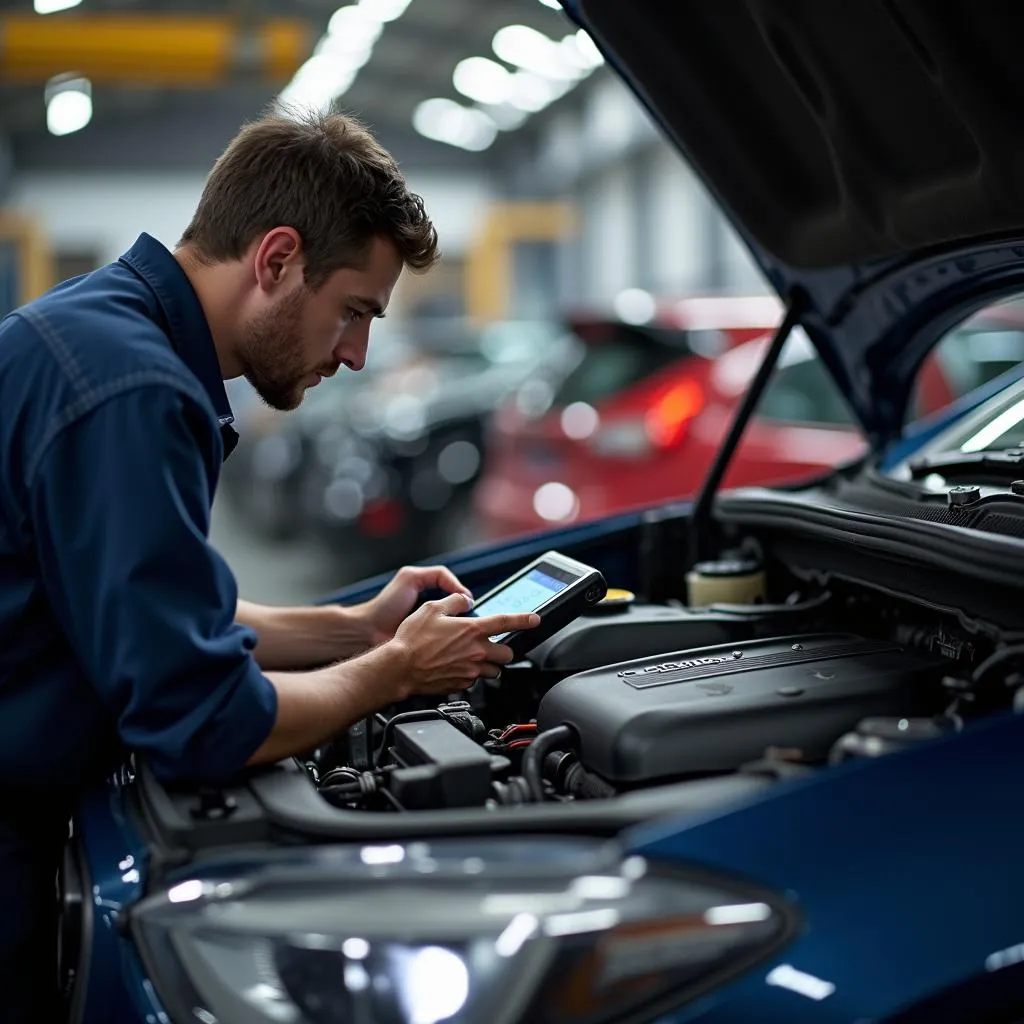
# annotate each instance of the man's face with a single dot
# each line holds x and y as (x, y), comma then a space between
(306, 335)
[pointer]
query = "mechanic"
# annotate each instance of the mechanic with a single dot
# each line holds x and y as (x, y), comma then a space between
(120, 626)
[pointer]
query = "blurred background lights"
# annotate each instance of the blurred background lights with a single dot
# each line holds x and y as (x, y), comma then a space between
(342, 51)
(635, 306)
(447, 121)
(526, 48)
(383, 10)
(531, 71)
(556, 502)
(579, 420)
(53, 6)
(434, 985)
(68, 104)
(483, 80)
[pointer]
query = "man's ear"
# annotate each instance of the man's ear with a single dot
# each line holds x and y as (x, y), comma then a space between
(278, 259)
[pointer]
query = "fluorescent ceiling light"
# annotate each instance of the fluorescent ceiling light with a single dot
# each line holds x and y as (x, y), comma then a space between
(354, 26)
(504, 115)
(526, 48)
(321, 80)
(446, 121)
(553, 4)
(482, 79)
(53, 6)
(343, 52)
(531, 92)
(588, 48)
(578, 52)
(546, 70)
(383, 10)
(68, 104)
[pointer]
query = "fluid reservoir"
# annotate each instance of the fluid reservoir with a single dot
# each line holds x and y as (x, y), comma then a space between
(726, 581)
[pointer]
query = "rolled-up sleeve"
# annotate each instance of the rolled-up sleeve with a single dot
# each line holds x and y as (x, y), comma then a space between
(122, 513)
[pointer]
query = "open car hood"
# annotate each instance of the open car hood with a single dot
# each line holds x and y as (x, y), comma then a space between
(869, 153)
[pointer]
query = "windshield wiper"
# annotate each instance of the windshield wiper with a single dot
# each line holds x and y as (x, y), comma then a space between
(1007, 463)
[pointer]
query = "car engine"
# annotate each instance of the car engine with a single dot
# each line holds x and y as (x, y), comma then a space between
(635, 696)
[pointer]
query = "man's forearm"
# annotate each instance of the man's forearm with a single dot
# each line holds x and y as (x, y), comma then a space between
(298, 638)
(314, 706)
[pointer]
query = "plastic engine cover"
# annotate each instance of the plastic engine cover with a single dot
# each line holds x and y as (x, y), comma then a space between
(714, 708)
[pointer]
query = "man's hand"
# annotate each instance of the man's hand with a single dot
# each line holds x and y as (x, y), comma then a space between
(443, 650)
(437, 649)
(384, 613)
(292, 639)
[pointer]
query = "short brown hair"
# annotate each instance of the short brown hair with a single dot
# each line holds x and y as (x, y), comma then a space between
(325, 176)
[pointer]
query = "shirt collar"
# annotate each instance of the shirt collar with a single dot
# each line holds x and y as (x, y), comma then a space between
(187, 327)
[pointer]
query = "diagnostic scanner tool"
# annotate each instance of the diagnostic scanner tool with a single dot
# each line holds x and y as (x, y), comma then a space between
(557, 588)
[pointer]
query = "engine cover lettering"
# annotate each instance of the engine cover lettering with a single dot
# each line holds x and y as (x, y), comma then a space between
(674, 666)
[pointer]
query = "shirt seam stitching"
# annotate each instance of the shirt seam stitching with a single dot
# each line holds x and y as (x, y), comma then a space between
(58, 348)
(93, 398)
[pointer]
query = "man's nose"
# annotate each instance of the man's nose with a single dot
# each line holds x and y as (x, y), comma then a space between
(351, 350)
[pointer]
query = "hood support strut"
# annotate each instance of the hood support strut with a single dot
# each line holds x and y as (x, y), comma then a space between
(700, 523)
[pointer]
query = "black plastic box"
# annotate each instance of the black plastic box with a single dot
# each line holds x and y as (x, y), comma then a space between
(714, 708)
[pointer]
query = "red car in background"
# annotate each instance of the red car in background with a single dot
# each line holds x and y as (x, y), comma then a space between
(600, 440)
(634, 424)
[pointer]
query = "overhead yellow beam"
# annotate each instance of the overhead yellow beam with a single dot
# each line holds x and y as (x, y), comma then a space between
(150, 49)
(489, 260)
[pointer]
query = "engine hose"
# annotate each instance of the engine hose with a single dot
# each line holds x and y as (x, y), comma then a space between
(364, 785)
(1001, 655)
(568, 776)
(343, 792)
(339, 776)
(533, 756)
(585, 785)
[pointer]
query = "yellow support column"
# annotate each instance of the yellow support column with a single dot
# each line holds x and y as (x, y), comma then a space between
(33, 261)
(489, 262)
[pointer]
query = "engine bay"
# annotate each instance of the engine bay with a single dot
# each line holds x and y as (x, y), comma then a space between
(752, 674)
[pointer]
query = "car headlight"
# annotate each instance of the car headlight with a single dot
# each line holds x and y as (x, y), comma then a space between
(493, 933)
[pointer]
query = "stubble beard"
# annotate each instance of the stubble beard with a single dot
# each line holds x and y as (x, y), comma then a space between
(274, 354)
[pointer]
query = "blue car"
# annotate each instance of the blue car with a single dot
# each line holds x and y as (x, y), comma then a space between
(775, 774)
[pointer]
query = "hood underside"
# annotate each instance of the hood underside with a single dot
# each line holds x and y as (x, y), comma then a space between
(848, 142)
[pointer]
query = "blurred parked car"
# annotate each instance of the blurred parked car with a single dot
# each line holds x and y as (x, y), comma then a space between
(627, 406)
(627, 430)
(262, 478)
(259, 477)
(388, 473)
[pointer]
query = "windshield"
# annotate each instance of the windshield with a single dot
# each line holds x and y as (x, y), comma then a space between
(801, 389)
(978, 355)
(618, 356)
(983, 445)
(996, 426)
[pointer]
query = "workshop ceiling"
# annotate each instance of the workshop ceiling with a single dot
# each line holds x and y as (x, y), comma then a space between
(172, 80)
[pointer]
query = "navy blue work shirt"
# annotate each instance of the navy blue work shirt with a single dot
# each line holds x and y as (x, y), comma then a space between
(117, 622)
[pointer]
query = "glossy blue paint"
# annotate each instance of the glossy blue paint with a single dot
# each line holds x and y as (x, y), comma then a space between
(116, 989)
(906, 870)
(485, 566)
(872, 853)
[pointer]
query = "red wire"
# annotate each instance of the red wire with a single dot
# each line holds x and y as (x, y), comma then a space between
(512, 730)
